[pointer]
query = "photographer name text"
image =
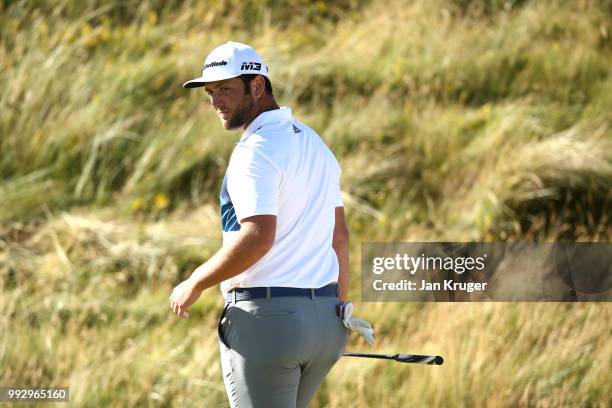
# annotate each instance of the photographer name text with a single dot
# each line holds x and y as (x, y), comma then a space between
(447, 284)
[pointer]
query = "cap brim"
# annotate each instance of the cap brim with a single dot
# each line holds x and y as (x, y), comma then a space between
(194, 83)
(201, 81)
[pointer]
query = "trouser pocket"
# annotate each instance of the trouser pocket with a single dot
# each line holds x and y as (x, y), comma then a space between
(220, 325)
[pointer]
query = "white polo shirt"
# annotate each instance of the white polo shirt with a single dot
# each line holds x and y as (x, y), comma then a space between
(282, 167)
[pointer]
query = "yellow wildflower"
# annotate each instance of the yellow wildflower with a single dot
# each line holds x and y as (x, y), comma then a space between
(137, 204)
(152, 18)
(161, 201)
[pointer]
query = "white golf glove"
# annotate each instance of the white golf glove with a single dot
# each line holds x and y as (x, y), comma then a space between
(345, 312)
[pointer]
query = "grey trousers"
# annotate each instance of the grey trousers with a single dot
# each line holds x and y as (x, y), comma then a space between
(275, 352)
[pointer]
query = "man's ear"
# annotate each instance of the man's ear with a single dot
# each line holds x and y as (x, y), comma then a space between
(258, 86)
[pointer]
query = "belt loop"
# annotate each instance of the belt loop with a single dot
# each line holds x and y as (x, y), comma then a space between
(312, 293)
(268, 292)
(234, 296)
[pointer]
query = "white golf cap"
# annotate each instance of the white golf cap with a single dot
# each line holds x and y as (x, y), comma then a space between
(229, 60)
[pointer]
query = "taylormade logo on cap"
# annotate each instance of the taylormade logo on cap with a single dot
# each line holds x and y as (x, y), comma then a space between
(214, 64)
(229, 60)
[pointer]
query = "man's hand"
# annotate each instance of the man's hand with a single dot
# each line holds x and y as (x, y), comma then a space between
(183, 296)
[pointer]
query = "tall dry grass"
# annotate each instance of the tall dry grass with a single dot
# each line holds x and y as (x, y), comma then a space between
(452, 119)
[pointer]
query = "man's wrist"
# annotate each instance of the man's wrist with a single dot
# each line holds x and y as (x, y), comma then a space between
(197, 281)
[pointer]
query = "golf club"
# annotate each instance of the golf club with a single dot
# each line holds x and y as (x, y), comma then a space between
(402, 358)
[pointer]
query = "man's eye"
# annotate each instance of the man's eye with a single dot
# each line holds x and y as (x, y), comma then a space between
(224, 89)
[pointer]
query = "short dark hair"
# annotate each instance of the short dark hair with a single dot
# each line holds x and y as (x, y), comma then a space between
(247, 78)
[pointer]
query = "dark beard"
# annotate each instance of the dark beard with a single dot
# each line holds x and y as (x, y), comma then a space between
(242, 115)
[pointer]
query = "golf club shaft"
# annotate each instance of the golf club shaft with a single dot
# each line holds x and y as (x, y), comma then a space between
(402, 358)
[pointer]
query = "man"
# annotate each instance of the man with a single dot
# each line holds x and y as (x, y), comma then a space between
(284, 263)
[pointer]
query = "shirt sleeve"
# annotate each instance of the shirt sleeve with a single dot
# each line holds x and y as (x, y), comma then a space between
(253, 183)
(339, 202)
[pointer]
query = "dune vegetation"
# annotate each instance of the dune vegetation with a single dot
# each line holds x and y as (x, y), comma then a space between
(453, 120)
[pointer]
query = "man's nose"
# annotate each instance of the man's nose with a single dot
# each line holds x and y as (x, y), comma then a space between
(216, 101)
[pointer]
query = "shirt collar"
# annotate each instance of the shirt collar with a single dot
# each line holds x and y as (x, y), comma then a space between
(282, 114)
